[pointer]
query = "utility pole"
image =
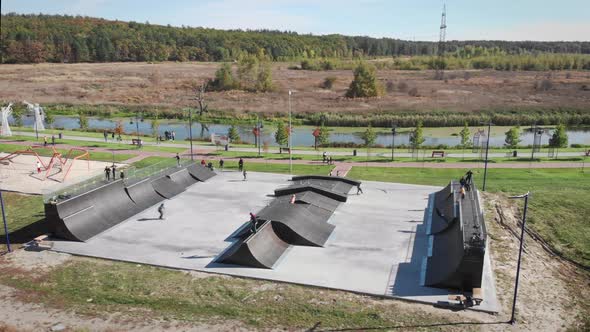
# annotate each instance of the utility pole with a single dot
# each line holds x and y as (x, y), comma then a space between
(393, 127)
(526, 203)
(485, 172)
(439, 75)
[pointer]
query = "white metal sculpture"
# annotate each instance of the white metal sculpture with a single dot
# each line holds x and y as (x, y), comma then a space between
(5, 129)
(39, 115)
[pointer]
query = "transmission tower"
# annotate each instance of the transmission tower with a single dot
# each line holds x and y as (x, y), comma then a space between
(440, 67)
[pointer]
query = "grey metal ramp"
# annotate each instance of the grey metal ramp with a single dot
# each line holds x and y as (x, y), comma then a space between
(443, 267)
(351, 182)
(200, 173)
(143, 194)
(297, 225)
(183, 178)
(299, 188)
(318, 200)
(261, 249)
(167, 188)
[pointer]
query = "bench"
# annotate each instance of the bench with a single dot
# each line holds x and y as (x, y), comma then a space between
(438, 153)
(284, 149)
(135, 141)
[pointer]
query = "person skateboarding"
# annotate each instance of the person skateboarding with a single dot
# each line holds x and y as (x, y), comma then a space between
(203, 163)
(161, 211)
(245, 175)
(114, 172)
(241, 164)
(253, 223)
(358, 189)
(107, 173)
(221, 162)
(177, 160)
(468, 179)
(293, 199)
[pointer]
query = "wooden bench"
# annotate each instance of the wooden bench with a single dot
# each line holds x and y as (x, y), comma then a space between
(288, 150)
(136, 141)
(438, 153)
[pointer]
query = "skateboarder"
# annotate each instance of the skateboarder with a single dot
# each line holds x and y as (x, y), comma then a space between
(161, 211)
(245, 174)
(177, 160)
(358, 189)
(469, 179)
(241, 164)
(221, 162)
(122, 175)
(293, 199)
(203, 163)
(38, 167)
(114, 172)
(253, 223)
(462, 191)
(462, 181)
(107, 173)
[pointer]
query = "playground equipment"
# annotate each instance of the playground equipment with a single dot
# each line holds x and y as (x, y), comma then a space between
(57, 159)
(39, 113)
(5, 129)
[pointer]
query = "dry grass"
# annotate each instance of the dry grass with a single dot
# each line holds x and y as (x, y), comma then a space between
(169, 84)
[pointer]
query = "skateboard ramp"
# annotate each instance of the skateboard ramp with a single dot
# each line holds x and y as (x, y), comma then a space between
(330, 183)
(183, 178)
(143, 194)
(446, 208)
(299, 188)
(297, 225)
(167, 188)
(260, 250)
(457, 255)
(200, 172)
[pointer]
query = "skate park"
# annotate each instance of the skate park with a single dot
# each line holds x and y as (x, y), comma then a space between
(393, 240)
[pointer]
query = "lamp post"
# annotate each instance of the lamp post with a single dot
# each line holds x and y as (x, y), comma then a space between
(526, 202)
(138, 116)
(393, 127)
(5, 225)
(485, 172)
(289, 137)
(190, 130)
(257, 133)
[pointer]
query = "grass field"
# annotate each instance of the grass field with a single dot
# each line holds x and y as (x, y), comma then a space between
(47, 152)
(559, 209)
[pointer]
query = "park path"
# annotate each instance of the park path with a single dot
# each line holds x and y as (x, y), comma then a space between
(344, 167)
(360, 152)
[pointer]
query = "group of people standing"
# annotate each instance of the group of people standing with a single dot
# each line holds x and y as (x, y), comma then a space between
(111, 173)
(327, 159)
(169, 135)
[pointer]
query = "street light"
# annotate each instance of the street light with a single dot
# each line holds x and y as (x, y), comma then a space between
(290, 133)
(257, 133)
(393, 127)
(485, 172)
(526, 202)
(5, 225)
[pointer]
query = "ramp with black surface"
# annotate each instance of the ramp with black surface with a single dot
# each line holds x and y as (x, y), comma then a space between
(166, 187)
(457, 253)
(299, 188)
(183, 178)
(446, 208)
(143, 194)
(200, 172)
(84, 216)
(296, 224)
(260, 250)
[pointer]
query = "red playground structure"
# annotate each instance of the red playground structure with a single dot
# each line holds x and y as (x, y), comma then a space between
(57, 158)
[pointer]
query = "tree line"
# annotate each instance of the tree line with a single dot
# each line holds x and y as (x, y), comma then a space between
(57, 38)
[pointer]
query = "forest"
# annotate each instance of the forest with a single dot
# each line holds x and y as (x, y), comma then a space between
(71, 39)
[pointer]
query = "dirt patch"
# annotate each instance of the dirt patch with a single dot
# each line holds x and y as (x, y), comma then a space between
(169, 84)
(36, 260)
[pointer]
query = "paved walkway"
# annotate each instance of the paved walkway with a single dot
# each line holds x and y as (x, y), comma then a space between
(202, 153)
(360, 152)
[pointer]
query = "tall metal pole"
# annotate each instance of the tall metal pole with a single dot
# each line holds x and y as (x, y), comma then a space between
(190, 130)
(526, 203)
(137, 128)
(5, 224)
(392, 140)
(290, 133)
(258, 135)
(485, 172)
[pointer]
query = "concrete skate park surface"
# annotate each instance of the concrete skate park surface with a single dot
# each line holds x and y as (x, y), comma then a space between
(20, 174)
(377, 247)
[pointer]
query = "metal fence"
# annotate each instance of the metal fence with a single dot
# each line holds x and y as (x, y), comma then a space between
(131, 173)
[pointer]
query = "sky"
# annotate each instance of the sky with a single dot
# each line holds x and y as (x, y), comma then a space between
(403, 19)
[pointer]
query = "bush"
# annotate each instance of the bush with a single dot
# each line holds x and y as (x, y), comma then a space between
(413, 92)
(364, 83)
(328, 82)
(403, 86)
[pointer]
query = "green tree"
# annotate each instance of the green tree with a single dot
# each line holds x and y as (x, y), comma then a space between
(264, 79)
(364, 83)
(323, 136)
(465, 135)
(18, 111)
(417, 136)
(512, 138)
(49, 119)
(248, 71)
(559, 138)
(233, 134)
(281, 135)
(369, 136)
(224, 79)
(83, 121)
